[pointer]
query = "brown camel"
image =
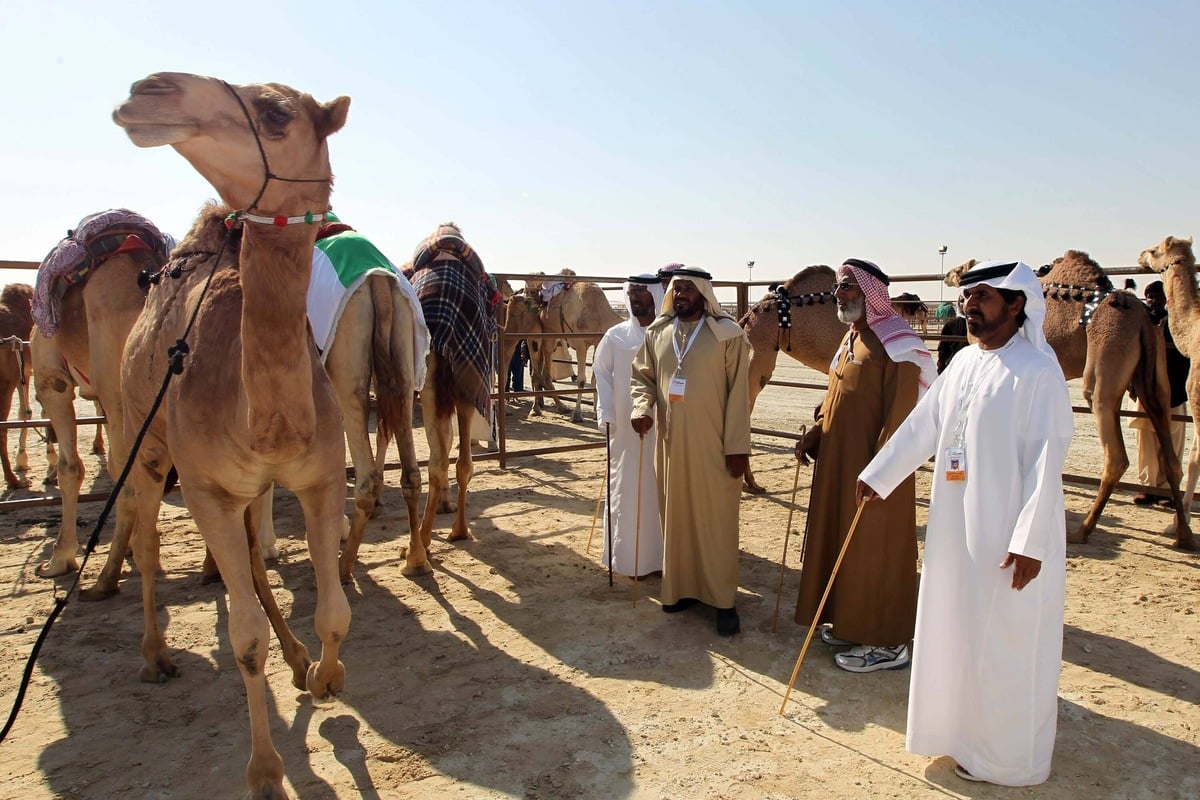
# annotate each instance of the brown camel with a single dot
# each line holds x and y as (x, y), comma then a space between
(16, 368)
(84, 354)
(252, 404)
(808, 330)
(1174, 260)
(459, 302)
(373, 342)
(581, 307)
(522, 315)
(909, 306)
(1106, 337)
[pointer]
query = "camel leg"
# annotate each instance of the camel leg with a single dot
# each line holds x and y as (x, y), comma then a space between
(437, 432)
(294, 651)
(56, 393)
(1193, 470)
(368, 481)
(580, 381)
(1106, 404)
(10, 477)
(146, 487)
(23, 413)
(322, 524)
(762, 367)
(463, 470)
(415, 556)
(222, 524)
(1170, 468)
(267, 540)
(98, 442)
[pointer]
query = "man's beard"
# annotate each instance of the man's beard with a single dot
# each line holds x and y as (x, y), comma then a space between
(853, 311)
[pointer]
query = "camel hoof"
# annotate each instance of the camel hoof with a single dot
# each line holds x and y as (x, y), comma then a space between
(1077, 537)
(457, 535)
(269, 553)
(55, 569)
(416, 570)
(446, 507)
(98, 593)
(1185, 543)
(161, 671)
(321, 689)
(210, 578)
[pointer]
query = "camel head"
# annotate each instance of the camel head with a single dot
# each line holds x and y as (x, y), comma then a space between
(1077, 268)
(1170, 252)
(208, 122)
(954, 276)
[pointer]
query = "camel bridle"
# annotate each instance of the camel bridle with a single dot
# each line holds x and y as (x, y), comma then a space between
(234, 218)
(783, 307)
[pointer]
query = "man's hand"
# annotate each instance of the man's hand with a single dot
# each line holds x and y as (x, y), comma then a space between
(806, 446)
(1025, 569)
(737, 465)
(863, 493)
(641, 425)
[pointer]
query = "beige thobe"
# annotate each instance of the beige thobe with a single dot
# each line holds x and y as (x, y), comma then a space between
(698, 497)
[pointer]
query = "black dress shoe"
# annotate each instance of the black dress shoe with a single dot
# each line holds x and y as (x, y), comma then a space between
(682, 604)
(728, 622)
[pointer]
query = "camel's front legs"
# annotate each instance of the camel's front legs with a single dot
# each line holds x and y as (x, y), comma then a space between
(24, 413)
(10, 478)
(56, 393)
(762, 366)
(463, 470)
(323, 530)
(581, 352)
(294, 651)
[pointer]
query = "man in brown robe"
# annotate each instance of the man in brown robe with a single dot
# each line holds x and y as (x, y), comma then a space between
(874, 382)
(692, 373)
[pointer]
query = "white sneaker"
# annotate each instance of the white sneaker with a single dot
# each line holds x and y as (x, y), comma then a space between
(866, 658)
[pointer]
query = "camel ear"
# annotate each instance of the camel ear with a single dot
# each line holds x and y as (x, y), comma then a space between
(333, 116)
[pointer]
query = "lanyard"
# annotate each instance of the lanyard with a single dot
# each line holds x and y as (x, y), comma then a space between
(675, 342)
(982, 370)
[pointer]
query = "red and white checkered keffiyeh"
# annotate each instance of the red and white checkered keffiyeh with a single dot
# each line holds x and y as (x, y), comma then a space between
(896, 335)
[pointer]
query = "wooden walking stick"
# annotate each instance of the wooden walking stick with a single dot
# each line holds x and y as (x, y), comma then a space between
(608, 497)
(786, 535)
(821, 606)
(637, 531)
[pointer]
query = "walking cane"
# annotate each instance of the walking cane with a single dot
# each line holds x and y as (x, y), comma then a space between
(786, 535)
(637, 531)
(821, 607)
(608, 497)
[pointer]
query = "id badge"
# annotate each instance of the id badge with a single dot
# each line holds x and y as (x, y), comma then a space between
(956, 464)
(676, 389)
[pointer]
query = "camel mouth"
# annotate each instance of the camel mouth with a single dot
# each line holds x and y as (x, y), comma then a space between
(152, 134)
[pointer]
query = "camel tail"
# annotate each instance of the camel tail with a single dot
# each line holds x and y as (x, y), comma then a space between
(1153, 389)
(389, 371)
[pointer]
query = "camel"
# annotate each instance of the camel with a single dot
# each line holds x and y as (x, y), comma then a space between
(459, 302)
(252, 404)
(1174, 260)
(1105, 336)
(16, 322)
(581, 307)
(84, 353)
(373, 340)
(909, 306)
(521, 315)
(799, 315)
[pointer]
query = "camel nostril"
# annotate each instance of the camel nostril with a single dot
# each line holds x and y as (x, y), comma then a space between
(155, 84)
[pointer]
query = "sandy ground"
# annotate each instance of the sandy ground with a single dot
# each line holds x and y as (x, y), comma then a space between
(514, 670)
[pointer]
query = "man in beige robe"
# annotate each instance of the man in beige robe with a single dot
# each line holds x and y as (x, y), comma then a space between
(692, 373)
(874, 382)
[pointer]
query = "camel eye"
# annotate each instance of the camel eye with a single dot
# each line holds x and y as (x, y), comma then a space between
(274, 119)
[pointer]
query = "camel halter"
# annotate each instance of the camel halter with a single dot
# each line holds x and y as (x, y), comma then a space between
(236, 217)
(783, 306)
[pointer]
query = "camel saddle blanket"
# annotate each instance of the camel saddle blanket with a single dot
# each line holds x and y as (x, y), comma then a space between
(96, 238)
(457, 299)
(341, 263)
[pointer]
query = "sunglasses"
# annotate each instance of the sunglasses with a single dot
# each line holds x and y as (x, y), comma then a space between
(845, 286)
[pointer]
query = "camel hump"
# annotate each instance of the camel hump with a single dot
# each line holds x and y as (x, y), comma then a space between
(1077, 268)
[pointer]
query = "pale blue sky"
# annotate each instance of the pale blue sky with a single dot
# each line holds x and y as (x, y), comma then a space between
(616, 137)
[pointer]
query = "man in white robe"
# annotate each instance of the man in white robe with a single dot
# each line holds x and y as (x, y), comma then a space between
(988, 643)
(633, 544)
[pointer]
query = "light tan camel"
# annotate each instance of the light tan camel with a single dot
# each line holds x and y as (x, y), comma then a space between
(1174, 259)
(85, 355)
(909, 306)
(581, 307)
(459, 302)
(1118, 347)
(808, 330)
(521, 315)
(16, 368)
(252, 404)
